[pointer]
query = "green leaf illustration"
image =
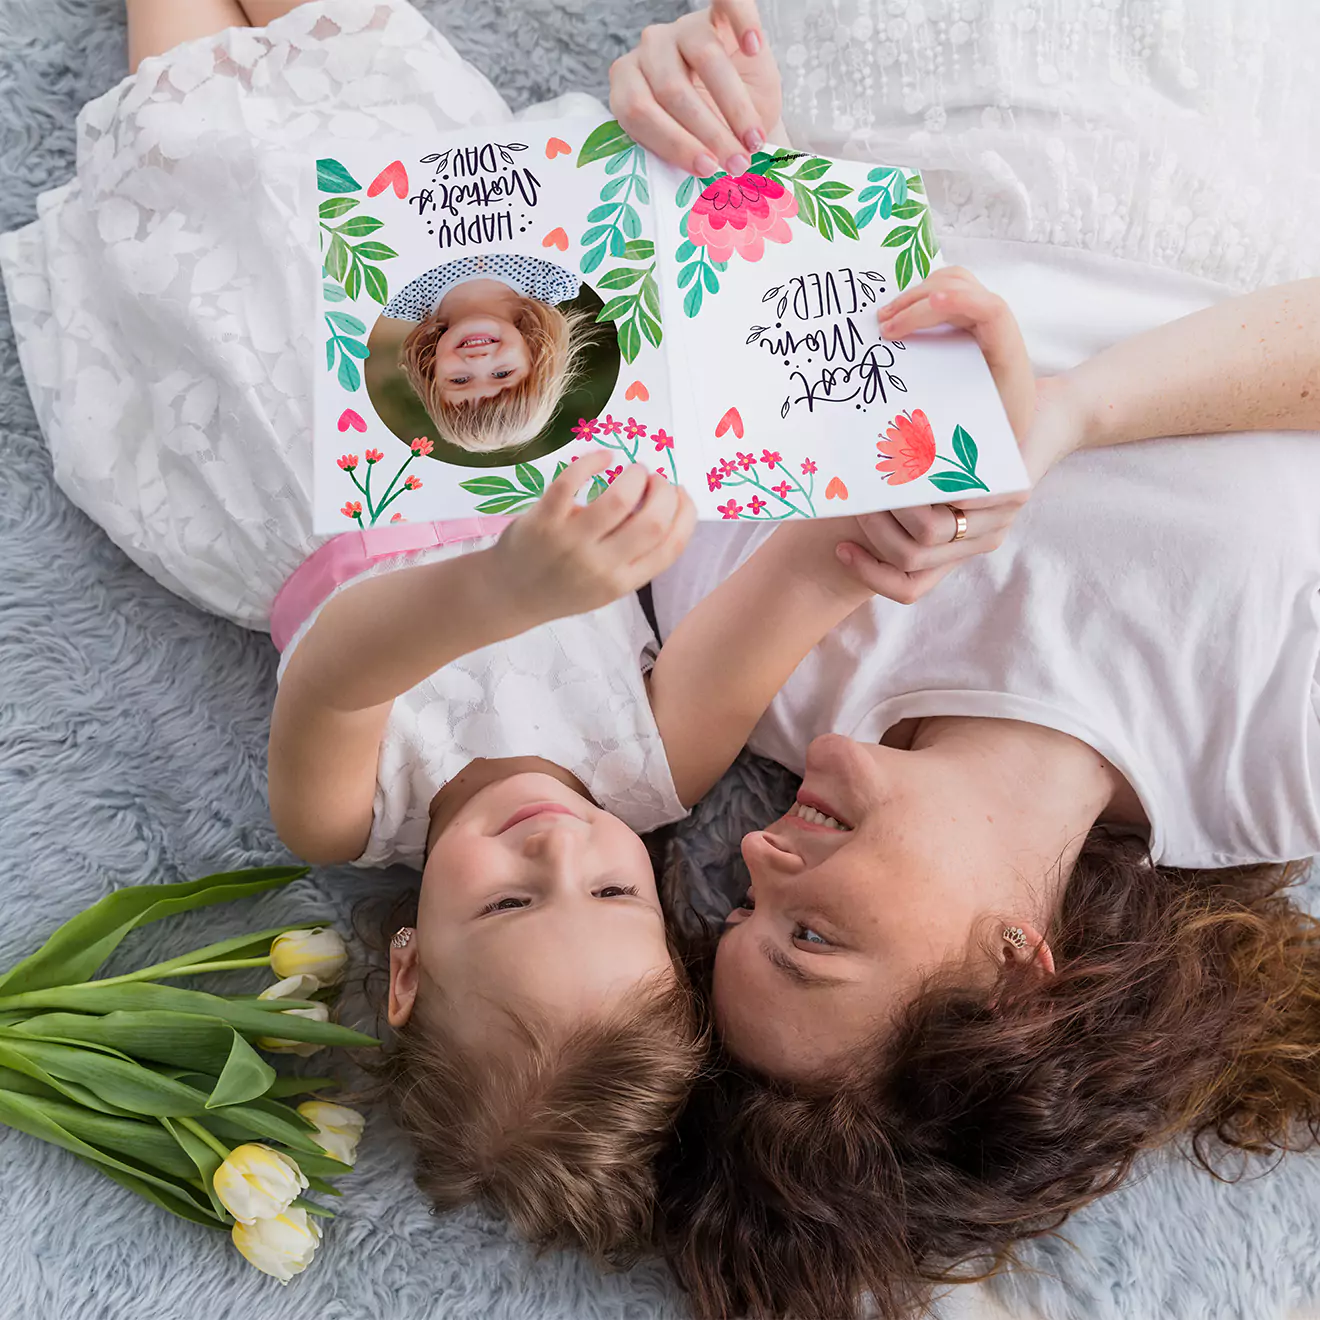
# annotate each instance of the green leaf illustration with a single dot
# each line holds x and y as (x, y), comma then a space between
(593, 259)
(616, 307)
(598, 213)
(334, 292)
(349, 375)
(606, 139)
(334, 207)
(353, 280)
(965, 448)
(899, 237)
(332, 177)
(488, 486)
(378, 288)
(812, 169)
(692, 303)
(531, 478)
(685, 190)
(373, 251)
(359, 226)
(833, 189)
(504, 504)
(952, 481)
(338, 259)
(621, 278)
(903, 268)
(650, 328)
(630, 340)
(639, 249)
(354, 347)
(909, 210)
(345, 321)
(866, 215)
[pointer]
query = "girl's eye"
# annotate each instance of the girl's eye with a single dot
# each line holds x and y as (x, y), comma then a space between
(459, 380)
(615, 891)
(500, 375)
(809, 936)
(505, 905)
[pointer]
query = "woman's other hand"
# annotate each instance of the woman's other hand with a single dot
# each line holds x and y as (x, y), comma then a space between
(563, 558)
(905, 552)
(701, 92)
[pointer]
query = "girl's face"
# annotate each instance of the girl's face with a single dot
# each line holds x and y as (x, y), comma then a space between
(532, 898)
(478, 356)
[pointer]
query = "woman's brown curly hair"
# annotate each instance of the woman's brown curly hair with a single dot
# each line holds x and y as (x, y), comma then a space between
(1185, 1003)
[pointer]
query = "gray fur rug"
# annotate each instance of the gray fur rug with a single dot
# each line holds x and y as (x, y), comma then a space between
(132, 748)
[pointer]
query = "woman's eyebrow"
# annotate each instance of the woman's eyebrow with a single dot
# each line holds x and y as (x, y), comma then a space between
(779, 959)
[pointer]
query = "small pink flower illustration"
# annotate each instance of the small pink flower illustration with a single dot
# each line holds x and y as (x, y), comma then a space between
(731, 510)
(611, 473)
(634, 429)
(756, 504)
(782, 490)
(727, 466)
(412, 483)
(608, 426)
(808, 467)
(353, 509)
(422, 446)
(739, 215)
(663, 440)
(374, 455)
(348, 462)
(746, 462)
(586, 430)
(771, 457)
(908, 449)
(398, 517)
(714, 479)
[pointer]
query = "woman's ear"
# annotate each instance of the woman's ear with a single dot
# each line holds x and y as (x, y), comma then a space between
(404, 971)
(1024, 944)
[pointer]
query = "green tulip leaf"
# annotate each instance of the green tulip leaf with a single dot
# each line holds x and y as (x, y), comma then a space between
(202, 1156)
(77, 949)
(246, 1075)
(283, 1086)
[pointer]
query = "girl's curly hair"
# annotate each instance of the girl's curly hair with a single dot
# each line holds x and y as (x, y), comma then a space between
(1185, 1003)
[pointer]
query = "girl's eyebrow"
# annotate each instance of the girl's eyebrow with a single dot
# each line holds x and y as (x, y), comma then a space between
(779, 959)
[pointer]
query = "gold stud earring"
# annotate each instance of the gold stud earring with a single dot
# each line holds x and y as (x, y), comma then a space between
(401, 937)
(1015, 936)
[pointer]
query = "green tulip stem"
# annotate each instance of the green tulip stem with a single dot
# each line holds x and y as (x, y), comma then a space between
(202, 1134)
(161, 970)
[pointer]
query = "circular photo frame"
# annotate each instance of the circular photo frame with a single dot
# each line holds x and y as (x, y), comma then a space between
(397, 404)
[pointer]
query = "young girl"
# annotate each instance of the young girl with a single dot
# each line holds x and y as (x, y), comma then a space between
(475, 706)
(493, 353)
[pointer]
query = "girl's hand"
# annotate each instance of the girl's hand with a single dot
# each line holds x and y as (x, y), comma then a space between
(562, 558)
(702, 92)
(907, 551)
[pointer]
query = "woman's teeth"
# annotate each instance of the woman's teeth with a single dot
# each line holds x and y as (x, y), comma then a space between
(814, 817)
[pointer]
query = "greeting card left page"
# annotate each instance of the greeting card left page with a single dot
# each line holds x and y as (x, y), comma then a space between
(489, 311)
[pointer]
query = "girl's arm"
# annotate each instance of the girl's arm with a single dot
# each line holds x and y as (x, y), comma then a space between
(1250, 363)
(722, 665)
(385, 635)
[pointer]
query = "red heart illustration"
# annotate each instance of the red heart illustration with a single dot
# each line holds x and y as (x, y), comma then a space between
(556, 147)
(349, 418)
(556, 238)
(393, 173)
(637, 391)
(836, 490)
(732, 418)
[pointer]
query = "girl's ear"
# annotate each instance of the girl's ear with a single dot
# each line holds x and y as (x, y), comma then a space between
(404, 971)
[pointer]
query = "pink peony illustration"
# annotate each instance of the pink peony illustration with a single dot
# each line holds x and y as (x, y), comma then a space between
(908, 449)
(738, 215)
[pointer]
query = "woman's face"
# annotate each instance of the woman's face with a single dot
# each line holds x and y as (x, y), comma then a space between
(533, 898)
(478, 356)
(844, 917)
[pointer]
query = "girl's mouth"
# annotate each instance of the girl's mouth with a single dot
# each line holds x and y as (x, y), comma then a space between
(477, 341)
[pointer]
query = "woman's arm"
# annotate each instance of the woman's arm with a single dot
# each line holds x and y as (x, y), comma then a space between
(383, 636)
(1247, 364)
(722, 665)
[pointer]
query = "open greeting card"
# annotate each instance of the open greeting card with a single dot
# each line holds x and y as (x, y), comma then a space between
(499, 302)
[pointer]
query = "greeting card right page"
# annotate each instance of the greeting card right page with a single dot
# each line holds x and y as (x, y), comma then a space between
(800, 406)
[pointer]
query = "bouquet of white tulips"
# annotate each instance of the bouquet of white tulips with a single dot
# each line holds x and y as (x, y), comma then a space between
(160, 1087)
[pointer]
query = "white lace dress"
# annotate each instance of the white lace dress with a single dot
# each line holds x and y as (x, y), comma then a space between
(1182, 134)
(163, 299)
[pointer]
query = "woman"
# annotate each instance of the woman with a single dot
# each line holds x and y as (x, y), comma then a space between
(1025, 919)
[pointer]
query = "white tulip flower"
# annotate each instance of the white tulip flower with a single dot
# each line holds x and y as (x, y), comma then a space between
(319, 952)
(256, 1182)
(338, 1128)
(280, 1246)
(294, 987)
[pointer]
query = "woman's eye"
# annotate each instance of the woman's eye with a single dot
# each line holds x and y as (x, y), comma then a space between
(809, 936)
(505, 905)
(615, 891)
(747, 902)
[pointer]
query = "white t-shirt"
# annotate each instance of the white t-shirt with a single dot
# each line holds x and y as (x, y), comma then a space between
(572, 691)
(1158, 600)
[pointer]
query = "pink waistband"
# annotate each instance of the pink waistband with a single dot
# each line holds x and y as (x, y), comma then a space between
(346, 556)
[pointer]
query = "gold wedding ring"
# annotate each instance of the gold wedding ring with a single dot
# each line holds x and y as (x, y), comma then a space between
(961, 517)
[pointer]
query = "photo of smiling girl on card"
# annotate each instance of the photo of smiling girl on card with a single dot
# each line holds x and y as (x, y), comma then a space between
(493, 352)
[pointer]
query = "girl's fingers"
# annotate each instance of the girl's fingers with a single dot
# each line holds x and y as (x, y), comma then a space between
(679, 534)
(705, 55)
(669, 77)
(612, 507)
(957, 306)
(649, 125)
(565, 488)
(647, 524)
(947, 277)
(743, 21)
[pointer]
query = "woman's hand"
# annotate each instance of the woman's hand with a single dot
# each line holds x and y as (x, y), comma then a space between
(562, 558)
(702, 92)
(905, 552)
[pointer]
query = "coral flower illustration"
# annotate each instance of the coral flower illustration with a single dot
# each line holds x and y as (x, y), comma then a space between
(731, 510)
(422, 446)
(909, 448)
(739, 215)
